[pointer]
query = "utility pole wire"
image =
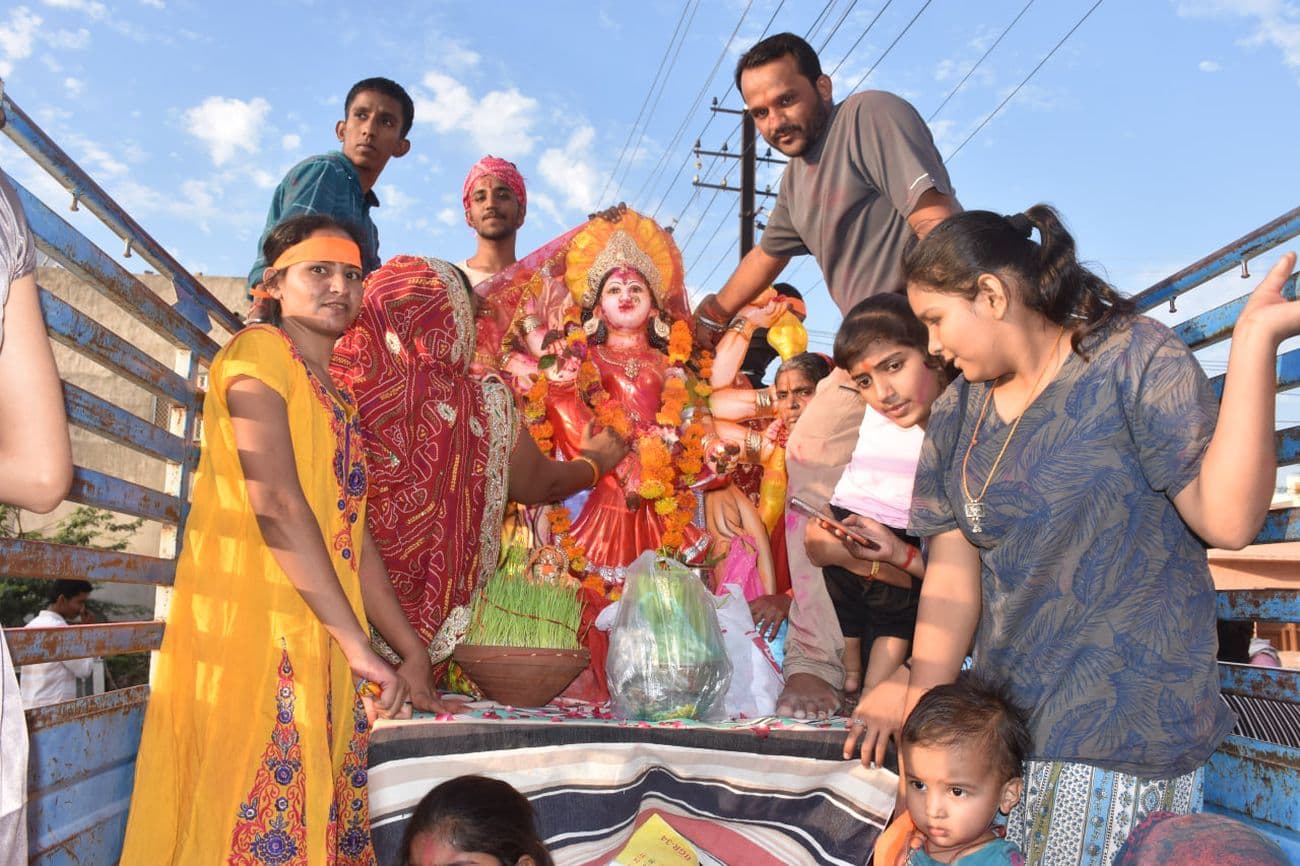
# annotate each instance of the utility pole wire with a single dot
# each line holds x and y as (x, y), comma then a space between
(653, 82)
(901, 34)
(971, 71)
(662, 87)
(650, 179)
(856, 42)
(836, 28)
(1031, 74)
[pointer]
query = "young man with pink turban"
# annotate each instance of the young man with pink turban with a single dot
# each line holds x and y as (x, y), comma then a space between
(495, 202)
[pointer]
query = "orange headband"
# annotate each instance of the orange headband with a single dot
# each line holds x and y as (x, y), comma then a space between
(320, 249)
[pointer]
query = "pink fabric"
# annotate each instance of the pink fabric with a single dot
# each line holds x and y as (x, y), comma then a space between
(499, 168)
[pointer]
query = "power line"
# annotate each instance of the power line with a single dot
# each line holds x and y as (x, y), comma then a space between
(971, 71)
(672, 183)
(836, 28)
(1031, 74)
(856, 42)
(653, 83)
(901, 34)
(818, 20)
(655, 104)
(650, 179)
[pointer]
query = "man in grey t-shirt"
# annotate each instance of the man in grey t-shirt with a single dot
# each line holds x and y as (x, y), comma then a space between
(863, 179)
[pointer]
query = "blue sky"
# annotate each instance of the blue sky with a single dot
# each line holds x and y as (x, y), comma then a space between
(1160, 128)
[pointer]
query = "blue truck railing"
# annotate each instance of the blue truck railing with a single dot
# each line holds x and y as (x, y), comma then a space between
(82, 752)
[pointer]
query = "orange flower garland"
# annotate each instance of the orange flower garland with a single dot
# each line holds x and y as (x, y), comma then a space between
(667, 471)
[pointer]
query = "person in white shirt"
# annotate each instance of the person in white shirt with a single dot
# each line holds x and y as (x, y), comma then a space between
(52, 682)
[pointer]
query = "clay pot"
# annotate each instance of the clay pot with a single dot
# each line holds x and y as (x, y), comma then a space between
(521, 676)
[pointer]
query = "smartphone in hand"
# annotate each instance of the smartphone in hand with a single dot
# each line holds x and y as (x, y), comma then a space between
(827, 518)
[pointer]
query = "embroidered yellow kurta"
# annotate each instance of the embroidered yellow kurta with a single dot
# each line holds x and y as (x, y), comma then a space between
(254, 741)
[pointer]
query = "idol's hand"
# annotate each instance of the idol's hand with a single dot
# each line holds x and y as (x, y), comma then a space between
(766, 315)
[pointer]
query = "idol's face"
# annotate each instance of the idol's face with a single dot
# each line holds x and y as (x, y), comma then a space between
(625, 300)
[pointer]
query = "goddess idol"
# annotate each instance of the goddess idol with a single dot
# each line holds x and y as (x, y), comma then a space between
(613, 356)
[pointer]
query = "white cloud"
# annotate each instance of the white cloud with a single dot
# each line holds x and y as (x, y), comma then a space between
(1276, 23)
(73, 86)
(153, 4)
(16, 37)
(93, 8)
(263, 179)
(69, 40)
(450, 217)
(543, 203)
(291, 141)
(1209, 66)
(227, 125)
(571, 170)
(94, 157)
(500, 122)
(457, 56)
(395, 201)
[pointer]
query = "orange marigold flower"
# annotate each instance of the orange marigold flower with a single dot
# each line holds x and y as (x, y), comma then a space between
(652, 489)
(665, 506)
(679, 342)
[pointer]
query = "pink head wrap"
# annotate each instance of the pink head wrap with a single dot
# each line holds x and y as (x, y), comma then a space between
(499, 168)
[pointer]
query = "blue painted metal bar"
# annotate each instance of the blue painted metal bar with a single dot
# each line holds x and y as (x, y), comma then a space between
(1222, 260)
(1261, 780)
(1215, 325)
(59, 240)
(1288, 373)
(78, 331)
(106, 491)
(1266, 605)
(42, 560)
(1282, 524)
(81, 769)
(100, 416)
(1288, 446)
(1275, 684)
(31, 645)
(1288, 839)
(195, 302)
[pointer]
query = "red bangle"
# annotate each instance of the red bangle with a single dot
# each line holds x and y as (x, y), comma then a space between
(911, 555)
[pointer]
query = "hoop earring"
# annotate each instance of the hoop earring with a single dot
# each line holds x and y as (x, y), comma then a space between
(590, 326)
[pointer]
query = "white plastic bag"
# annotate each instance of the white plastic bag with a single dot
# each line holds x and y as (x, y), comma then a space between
(756, 680)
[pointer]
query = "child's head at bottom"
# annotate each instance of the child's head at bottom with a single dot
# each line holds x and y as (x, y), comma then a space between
(473, 821)
(962, 747)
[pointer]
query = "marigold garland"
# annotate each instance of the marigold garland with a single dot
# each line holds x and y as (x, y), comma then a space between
(667, 469)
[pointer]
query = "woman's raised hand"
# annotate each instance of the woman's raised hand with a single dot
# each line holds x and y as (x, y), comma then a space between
(1268, 310)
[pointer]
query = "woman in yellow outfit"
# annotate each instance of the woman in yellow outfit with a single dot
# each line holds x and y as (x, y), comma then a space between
(254, 745)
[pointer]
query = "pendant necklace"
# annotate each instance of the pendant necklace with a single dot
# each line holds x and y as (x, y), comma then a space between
(631, 366)
(973, 506)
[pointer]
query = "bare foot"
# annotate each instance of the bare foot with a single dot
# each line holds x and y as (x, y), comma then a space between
(806, 696)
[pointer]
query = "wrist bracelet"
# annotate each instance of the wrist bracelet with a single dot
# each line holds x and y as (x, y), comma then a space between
(875, 567)
(911, 555)
(742, 326)
(763, 401)
(710, 314)
(530, 324)
(595, 470)
(753, 445)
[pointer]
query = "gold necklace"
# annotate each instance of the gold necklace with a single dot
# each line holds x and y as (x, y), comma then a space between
(973, 506)
(631, 365)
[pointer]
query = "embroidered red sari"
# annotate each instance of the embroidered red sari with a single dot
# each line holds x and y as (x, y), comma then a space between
(438, 442)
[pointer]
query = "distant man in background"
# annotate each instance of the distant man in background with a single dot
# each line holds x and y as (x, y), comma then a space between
(377, 117)
(863, 179)
(496, 202)
(53, 682)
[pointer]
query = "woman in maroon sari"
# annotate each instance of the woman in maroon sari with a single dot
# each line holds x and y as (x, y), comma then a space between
(443, 448)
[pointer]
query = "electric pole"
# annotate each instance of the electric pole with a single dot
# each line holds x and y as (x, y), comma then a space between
(748, 161)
